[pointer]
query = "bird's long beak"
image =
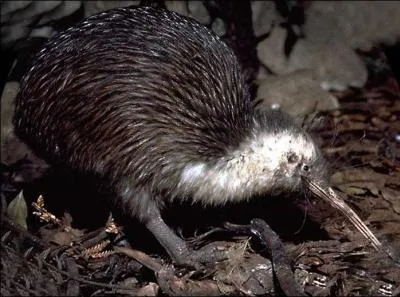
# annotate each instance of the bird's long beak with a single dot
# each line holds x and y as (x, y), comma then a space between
(322, 190)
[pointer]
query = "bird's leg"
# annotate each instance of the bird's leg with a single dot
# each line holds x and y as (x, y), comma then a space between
(174, 245)
(142, 204)
(179, 250)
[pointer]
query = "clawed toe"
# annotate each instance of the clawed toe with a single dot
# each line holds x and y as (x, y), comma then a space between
(202, 258)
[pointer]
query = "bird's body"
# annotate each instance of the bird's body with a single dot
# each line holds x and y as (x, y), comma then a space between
(156, 106)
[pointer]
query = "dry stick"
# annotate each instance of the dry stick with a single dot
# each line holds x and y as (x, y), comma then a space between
(36, 241)
(81, 279)
(141, 257)
(281, 266)
(170, 284)
(280, 263)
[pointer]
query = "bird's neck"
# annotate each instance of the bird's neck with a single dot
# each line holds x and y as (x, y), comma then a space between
(239, 175)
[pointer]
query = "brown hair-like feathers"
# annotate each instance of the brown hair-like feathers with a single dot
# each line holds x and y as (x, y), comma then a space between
(133, 95)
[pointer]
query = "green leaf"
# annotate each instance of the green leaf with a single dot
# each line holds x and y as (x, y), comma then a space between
(17, 211)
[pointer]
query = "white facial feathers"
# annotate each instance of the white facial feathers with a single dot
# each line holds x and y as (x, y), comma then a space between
(251, 169)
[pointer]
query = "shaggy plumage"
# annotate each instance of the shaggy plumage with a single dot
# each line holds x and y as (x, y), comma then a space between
(155, 105)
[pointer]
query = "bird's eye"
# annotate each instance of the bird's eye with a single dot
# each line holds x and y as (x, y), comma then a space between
(293, 158)
(306, 168)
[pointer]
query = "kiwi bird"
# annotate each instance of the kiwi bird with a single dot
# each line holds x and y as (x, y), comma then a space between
(155, 105)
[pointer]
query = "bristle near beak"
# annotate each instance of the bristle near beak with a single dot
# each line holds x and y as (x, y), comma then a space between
(322, 190)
